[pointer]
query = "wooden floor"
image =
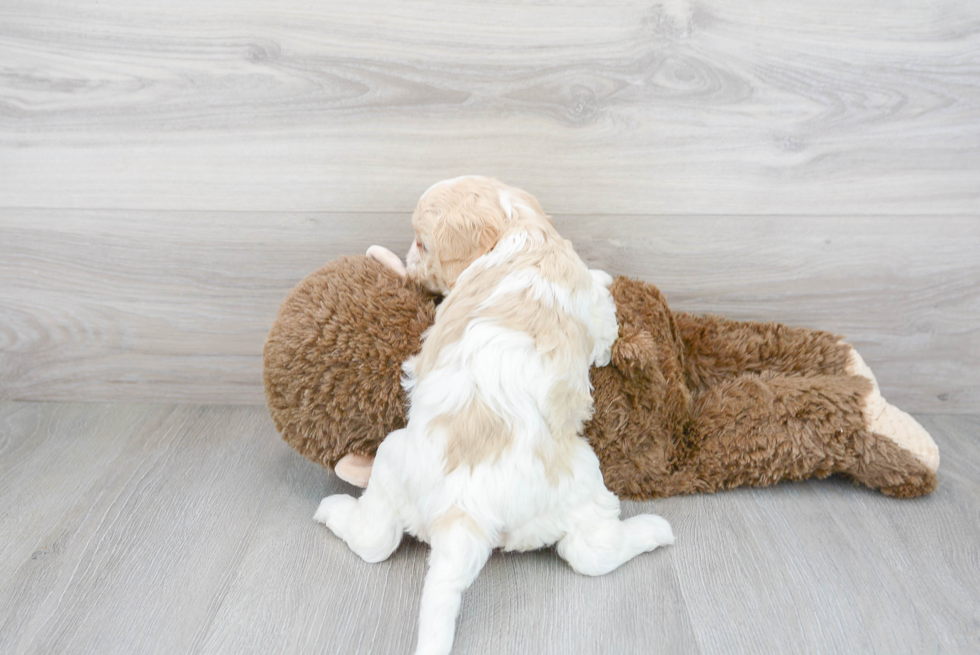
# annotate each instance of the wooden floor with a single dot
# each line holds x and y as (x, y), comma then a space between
(188, 529)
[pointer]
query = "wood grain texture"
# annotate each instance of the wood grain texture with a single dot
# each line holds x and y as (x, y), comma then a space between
(174, 306)
(148, 549)
(163, 529)
(838, 107)
(870, 574)
(79, 440)
(168, 171)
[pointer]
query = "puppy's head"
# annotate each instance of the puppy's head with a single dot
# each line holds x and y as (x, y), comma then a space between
(456, 221)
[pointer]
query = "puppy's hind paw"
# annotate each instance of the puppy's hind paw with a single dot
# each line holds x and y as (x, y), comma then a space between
(651, 531)
(334, 512)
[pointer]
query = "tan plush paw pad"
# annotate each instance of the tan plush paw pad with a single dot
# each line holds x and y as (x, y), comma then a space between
(905, 431)
(889, 421)
(856, 366)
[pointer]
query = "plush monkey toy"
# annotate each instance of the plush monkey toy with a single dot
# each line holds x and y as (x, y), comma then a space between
(689, 403)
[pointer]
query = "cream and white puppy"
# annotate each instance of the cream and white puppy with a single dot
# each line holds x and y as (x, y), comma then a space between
(492, 456)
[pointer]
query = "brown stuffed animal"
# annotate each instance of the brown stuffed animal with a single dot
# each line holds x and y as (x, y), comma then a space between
(688, 404)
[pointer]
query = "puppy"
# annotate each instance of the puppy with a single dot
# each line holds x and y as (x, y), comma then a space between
(492, 456)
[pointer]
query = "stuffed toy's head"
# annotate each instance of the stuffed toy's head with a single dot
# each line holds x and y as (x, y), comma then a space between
(333, 358)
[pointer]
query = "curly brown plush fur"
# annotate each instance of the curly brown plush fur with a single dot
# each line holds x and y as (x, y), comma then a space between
(689, 404)
(333, 358)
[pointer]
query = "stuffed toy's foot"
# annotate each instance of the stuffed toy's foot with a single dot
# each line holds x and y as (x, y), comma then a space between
(889, 421)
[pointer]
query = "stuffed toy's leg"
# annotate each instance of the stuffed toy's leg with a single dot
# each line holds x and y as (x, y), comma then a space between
(761, 429)
(885, 419)
(718, 350)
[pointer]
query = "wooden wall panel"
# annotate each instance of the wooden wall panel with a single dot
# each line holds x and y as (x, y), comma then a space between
(840, 107)
(169, 170)
(174, 306)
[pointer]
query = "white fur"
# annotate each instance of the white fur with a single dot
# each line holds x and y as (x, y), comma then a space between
(506, 201)
(511, 502)
(602, 318)
(510, 203)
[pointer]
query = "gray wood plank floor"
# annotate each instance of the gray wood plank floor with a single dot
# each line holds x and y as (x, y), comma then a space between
(188, 529)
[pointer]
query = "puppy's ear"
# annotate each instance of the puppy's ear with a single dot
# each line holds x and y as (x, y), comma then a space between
(469, 233)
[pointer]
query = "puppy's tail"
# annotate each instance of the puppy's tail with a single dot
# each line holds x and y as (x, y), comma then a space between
(459, 551)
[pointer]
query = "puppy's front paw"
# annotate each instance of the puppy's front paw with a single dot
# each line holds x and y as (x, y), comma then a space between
(335, 512)
(652, 531)
(601, 278)
(604, 328)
